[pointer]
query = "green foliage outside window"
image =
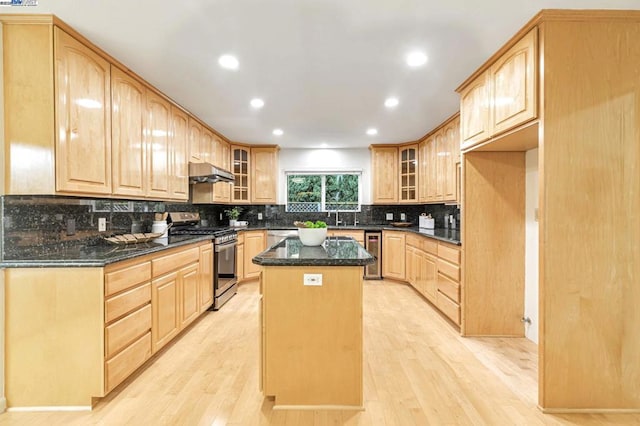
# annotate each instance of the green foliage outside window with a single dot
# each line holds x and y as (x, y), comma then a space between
(323, 192)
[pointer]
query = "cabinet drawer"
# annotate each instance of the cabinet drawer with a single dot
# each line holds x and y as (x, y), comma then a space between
(414, 241)
(449, 287)
(124, 331)
(127, 277)
(449, 269)
(449, 253)
(429, 245)
(173, 261)
(448, 307)
(126, 362)
(126, 302)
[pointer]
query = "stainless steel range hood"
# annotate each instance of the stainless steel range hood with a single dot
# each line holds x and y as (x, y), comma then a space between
(208, 173)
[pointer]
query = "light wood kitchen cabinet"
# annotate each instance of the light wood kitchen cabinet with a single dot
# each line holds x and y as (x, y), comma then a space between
(502, 97)
(206, 277)
(128, 103)
(196, 146)
(474, 112)
(158, 128)
(240, 258)
(439, 156)
(384, 168)
(254, 243)
(264, 175)
(208, 147)
(448, 281)
(421, 266)
(222, 191)
(513, 81)
(174, 293)
(393, 260)
(427, 275)
(409, 178)
(83, 117)
(179, 148)
(241, 160)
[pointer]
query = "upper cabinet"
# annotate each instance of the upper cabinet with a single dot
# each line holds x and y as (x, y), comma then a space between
(240, 159)
(384, 167)
(158, 125)
(408, 179)
(83, 117)
(196, 145)
(221, 191)
(264, 175)
(179, 166)
(503, 96)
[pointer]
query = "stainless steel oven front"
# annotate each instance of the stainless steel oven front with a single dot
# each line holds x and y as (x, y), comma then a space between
(225, 282)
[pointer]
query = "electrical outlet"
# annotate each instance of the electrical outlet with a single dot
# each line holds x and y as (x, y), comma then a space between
(220, 216)
(312, 279)
(389, 216)
(102, 224)
(71, 227)
(259, 216)
(403, 217)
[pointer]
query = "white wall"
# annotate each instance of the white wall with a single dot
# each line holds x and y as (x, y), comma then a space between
(531, 245)
(357, 159)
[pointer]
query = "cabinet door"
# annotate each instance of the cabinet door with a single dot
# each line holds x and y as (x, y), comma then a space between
(448, 171)
(179, 171)
(384, 161)
(222, 191)
(206, 277)
(254, 243)
(189, 289)
(393, 261)
(423, 170)
(408, 191)
(264, 175)
(241, 161)
(474, 112)
(428, 275)
(240, 262)
(208, 147)
(431, 167)
(195, 141)
(158, 141)
(440, 159)
(128, 153)
(514, 88)
(83, 118)
(412, 271)
(165, 307)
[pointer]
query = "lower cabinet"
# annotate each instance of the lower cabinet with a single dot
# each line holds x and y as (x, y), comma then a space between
(97, 325)
(433, 269)
(255, 242)
(393, 259)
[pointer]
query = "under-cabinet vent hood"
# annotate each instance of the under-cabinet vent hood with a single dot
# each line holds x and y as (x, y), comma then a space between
(208, 173)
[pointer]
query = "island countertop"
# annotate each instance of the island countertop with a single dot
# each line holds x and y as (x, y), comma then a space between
(335, 251)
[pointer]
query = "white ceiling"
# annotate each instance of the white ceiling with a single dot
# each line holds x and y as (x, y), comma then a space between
(323, 67)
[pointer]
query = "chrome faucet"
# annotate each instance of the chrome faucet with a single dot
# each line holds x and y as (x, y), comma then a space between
(355, 219)
(338, 222)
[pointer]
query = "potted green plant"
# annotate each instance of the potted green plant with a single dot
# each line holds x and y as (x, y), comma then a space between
(233, 214)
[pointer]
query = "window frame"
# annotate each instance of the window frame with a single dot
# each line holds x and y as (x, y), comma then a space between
(323, 173)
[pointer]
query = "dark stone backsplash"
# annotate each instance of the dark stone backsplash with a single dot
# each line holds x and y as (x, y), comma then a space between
(42, 224)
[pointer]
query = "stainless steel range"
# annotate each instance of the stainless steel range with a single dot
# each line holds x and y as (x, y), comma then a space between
(225, 283)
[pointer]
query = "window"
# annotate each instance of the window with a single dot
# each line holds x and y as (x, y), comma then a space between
(320, 192)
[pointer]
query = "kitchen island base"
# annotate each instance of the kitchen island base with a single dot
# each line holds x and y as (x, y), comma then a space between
(312, 337)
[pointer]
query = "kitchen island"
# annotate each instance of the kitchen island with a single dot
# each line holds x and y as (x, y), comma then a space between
(311, 323)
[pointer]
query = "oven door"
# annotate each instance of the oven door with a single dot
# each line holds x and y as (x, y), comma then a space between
(225, 259)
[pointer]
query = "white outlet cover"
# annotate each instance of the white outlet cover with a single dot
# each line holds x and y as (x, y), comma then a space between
(102, 224)
(403, 216)
(313, 279)
(389, 216)
(259, 216)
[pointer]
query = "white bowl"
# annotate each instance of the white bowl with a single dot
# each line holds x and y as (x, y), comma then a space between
(312, 236)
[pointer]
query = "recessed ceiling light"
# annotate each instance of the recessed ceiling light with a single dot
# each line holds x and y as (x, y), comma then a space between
(278, 132)
(257, 103)
(229, 62)
(372, 132)
(391, 102)
(416, 59)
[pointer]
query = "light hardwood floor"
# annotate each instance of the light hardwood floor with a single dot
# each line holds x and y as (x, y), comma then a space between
(418, 371)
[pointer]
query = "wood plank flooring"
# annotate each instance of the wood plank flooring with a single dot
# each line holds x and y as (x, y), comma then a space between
(418, 371)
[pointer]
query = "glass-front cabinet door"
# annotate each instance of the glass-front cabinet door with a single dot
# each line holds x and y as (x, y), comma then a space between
(240, 169)
(408, 173)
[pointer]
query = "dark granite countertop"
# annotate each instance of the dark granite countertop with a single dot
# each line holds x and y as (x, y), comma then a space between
(447, 235)
(335, 251)
(83, 255)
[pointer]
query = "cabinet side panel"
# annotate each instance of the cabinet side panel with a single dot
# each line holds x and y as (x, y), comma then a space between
(55, 335)
(27, 56)
(494, 231)
(590, 233)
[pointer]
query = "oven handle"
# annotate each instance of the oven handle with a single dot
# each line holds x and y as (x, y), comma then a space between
(224, 246)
